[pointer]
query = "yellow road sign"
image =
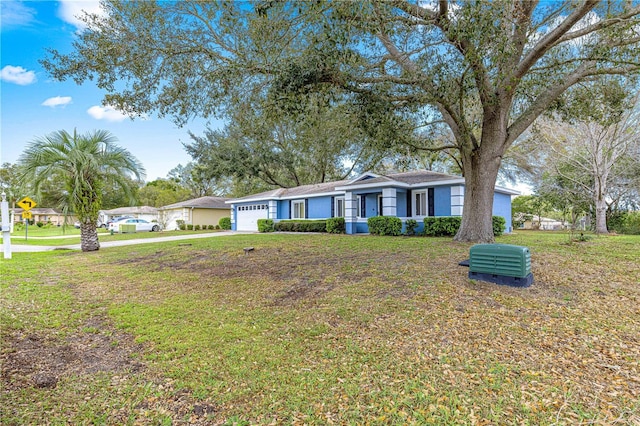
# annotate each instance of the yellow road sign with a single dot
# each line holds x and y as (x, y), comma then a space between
(27, 203)
(27, 215)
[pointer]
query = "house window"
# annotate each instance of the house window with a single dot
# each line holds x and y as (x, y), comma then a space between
(420, 203)
(298, 209)
(339, 207)
(359, 212)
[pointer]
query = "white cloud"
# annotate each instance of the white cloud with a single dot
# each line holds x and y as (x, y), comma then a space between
(15, 13)
(107, 113)
(71, 10)
(17, 75)
(57, 101)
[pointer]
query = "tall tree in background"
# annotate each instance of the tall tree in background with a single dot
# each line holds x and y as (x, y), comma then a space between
(593, 152)
(396, 61)
(86, 163)
(198, 180)
(315, 143)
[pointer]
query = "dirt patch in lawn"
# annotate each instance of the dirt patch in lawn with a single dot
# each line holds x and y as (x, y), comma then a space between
(38, 360)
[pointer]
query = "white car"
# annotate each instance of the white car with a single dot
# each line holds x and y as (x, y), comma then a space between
(141, 225)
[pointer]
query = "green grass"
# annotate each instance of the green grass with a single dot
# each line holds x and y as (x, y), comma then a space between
(59, 237)
(325, 328)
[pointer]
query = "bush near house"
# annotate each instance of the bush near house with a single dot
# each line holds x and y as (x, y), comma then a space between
(266, 225)
(181, 225)
(385, 225)
(301, 226)
(447, 226)
(336, 225)
(225, 223)
(189, 227)
(410, 226)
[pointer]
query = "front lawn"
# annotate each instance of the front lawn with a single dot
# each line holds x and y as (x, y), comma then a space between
(320, 329)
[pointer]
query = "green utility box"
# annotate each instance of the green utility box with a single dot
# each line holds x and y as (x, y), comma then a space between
(127, 229)
(501, 264)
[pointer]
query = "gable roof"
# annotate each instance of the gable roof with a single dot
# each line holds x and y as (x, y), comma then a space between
(131, 210)
(413, 179)
(206, 202)
(297, 191)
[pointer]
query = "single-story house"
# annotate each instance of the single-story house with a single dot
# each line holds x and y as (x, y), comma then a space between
(542, 223)
(409, 195)
(140, 212)
(201, 211)
(44, 215)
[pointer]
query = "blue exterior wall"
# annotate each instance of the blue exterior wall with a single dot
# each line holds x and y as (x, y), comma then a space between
(401, 203)
(502, 207)
(319, 207)
(283, 209)
(442, 201)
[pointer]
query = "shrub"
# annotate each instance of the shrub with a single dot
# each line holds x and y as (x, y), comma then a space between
(411, 225)
(181, 224)
(218, 227)
(632, 223)
(266, 225)
(301, 226)
(384, 225)
(447, 226)
(196, 228)
(499, 225)
(189, 227)
(210, 227)
(336, 225)
(225, 223)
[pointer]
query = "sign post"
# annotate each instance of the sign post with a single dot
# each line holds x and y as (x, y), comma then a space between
(27, 204)
(6, 226)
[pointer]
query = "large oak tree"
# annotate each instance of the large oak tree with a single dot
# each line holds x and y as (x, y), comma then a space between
(485, 69)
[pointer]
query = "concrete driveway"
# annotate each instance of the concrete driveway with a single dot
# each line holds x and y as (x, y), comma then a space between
(21, 248)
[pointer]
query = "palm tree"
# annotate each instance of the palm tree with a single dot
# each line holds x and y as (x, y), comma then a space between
(87, 164)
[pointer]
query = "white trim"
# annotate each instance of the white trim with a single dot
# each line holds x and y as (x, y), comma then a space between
(336, 202)
(293, 208)
(414, 204)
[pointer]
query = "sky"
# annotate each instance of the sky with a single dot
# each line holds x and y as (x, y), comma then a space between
(33, 105)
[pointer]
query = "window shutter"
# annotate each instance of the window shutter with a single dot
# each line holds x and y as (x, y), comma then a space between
(290, 217)
(306, 208)
(430, 201)
(409, 212)
(333, 206)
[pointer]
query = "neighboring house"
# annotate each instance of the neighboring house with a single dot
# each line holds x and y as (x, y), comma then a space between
(44, 215)
(139, 212)
(201, 211)
(543, 223)
(410, 195)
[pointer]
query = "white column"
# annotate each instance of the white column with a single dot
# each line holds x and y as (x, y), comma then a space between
(233, 215)
(457, 200)
(273, 209)
(6, 226)
(389, 206)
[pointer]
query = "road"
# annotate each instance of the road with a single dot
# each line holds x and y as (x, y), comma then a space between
(21, 248)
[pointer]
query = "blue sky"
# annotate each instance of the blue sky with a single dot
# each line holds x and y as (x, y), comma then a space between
(34, 105)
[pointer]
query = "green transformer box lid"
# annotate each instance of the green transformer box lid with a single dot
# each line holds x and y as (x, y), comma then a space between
(500, 259)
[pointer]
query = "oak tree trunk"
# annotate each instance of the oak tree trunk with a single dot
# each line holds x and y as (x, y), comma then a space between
(481, 166)
(89, 237)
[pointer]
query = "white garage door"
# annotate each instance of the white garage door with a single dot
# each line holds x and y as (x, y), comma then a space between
(247, 216)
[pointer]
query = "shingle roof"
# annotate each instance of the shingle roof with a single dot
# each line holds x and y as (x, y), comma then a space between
(201, 203)
(297, 191)
(132, 210)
